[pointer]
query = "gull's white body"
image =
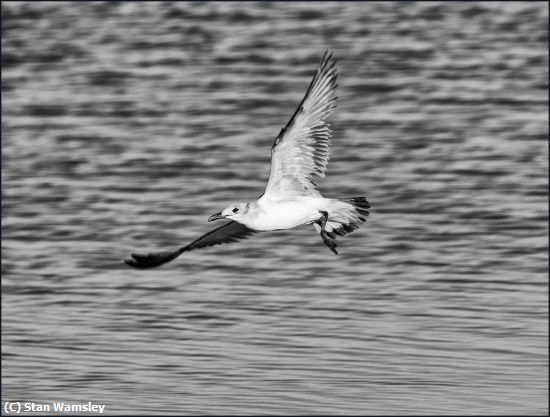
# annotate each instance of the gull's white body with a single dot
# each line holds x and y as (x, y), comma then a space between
(266, 214)
(285, 214)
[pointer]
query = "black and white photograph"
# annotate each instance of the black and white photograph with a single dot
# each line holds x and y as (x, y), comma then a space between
(274, 208)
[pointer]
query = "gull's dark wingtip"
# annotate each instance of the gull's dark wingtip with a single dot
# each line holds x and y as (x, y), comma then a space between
(131, 262)
(140, 261)
(151, 260)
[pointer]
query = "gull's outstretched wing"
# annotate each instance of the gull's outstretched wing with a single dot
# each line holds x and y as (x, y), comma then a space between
(300, 153)
(228, 233)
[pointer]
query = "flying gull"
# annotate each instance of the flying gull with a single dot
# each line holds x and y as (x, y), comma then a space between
(299, 157)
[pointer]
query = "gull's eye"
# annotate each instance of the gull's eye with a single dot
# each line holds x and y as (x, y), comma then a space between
(236, 209)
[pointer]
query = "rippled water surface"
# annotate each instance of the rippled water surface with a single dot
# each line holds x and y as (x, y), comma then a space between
(125, 125)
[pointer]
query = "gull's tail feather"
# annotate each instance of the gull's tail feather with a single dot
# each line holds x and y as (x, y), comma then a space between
(351, 219)
(345, 216)
(361, 206)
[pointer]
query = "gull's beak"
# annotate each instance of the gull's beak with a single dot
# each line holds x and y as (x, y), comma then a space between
(216, 216)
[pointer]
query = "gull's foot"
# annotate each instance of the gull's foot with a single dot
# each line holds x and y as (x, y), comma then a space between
(330, 242)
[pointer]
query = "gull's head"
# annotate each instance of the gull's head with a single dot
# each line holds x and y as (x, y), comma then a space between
(235, 212)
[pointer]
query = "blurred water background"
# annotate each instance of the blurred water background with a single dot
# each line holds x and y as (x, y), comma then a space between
(126, 124)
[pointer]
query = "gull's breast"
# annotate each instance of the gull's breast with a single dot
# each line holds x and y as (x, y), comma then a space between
(280, 215)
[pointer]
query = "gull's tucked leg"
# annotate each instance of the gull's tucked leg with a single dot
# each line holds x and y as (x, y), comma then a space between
(328, 241)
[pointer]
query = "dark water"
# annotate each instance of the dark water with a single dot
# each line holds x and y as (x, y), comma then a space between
(125, 125)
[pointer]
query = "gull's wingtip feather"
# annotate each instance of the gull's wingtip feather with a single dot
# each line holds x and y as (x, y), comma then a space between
(131, 262)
